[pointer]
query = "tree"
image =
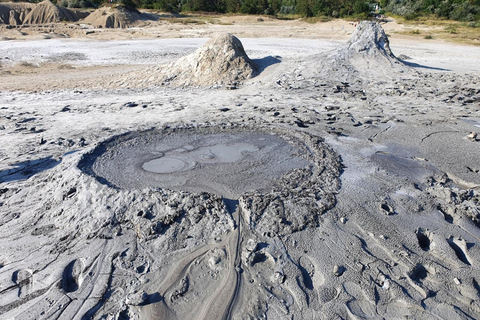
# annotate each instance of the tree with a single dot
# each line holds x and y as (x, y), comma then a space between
(232, 5)
(360, 7)
(305, 8)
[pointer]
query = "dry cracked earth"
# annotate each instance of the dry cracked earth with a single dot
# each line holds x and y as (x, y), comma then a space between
(340, 181)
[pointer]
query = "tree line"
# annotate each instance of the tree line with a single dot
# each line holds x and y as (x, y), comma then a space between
(462, 10)
(306, 8)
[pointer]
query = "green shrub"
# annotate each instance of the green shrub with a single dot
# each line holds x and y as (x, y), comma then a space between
(451, 30)
(463, 12)
(77, 4)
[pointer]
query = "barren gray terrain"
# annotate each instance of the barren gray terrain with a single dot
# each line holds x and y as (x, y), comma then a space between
(341, 181)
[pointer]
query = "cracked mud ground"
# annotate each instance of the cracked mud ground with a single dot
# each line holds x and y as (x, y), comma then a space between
(384, 224)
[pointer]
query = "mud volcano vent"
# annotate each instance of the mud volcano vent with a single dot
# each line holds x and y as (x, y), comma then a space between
(257, 165)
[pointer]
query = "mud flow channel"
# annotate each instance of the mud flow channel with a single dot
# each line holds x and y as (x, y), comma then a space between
(272, 182)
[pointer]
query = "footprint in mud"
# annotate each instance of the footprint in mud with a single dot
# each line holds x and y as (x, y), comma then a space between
(73, 276)
(460, 247)
(310, 277)
(24, 280)
(360, 305)
(418, 273)
(447, 214)
(326, 294)
(182, 289)
(361, 308)
(312, 281)
(476, 286)
(424, 238)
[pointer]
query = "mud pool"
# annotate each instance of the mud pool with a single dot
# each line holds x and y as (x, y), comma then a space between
(226, 163)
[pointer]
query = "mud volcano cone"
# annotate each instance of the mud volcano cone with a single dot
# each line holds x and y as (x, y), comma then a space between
(222, 60)
(369, 49)
(369, 38)
(112, 17)
(47, 12)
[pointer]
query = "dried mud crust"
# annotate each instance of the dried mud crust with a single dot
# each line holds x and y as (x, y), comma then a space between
(292, 201)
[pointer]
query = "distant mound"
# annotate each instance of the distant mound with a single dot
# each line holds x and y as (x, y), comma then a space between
(365, 57)
(113, 17)
(14, 13)
(222, 60)
(369, 48)
(369, 38)
(47, 12)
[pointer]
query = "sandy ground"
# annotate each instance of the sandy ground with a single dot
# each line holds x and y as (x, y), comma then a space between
(383, 224)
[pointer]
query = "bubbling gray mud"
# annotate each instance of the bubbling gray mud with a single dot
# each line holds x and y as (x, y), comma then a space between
(228, 164)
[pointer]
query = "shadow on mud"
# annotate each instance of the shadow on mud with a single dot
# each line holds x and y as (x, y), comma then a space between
(266, 62)
(416, 65)
(26, 169)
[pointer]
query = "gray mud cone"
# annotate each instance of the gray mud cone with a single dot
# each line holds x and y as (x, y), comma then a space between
(222, 60)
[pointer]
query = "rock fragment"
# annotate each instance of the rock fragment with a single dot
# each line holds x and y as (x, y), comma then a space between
(338, 270)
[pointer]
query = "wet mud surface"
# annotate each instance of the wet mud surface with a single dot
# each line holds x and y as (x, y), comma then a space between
(228, 164)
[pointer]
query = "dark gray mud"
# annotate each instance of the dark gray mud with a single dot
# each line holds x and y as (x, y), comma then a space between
(223, 162)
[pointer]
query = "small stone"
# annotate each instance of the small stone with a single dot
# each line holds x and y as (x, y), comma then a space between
(251, 245)
(343, 220)
(472, 136)
(278, 277)
(457, 281)
(213, 261)
(338, 270)
(386, 284)
(131, 104)
(136, 298)
(387, 209)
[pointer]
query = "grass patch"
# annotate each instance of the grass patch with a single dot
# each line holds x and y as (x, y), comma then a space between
(199, 18)
(217, 21)
(356, 17)
(26, 64)
(451, 30)
(316, 19)
(183, 20)
(288, 16)
(431, 27)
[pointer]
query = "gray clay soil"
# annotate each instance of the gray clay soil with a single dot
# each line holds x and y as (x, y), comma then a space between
(125, 196)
